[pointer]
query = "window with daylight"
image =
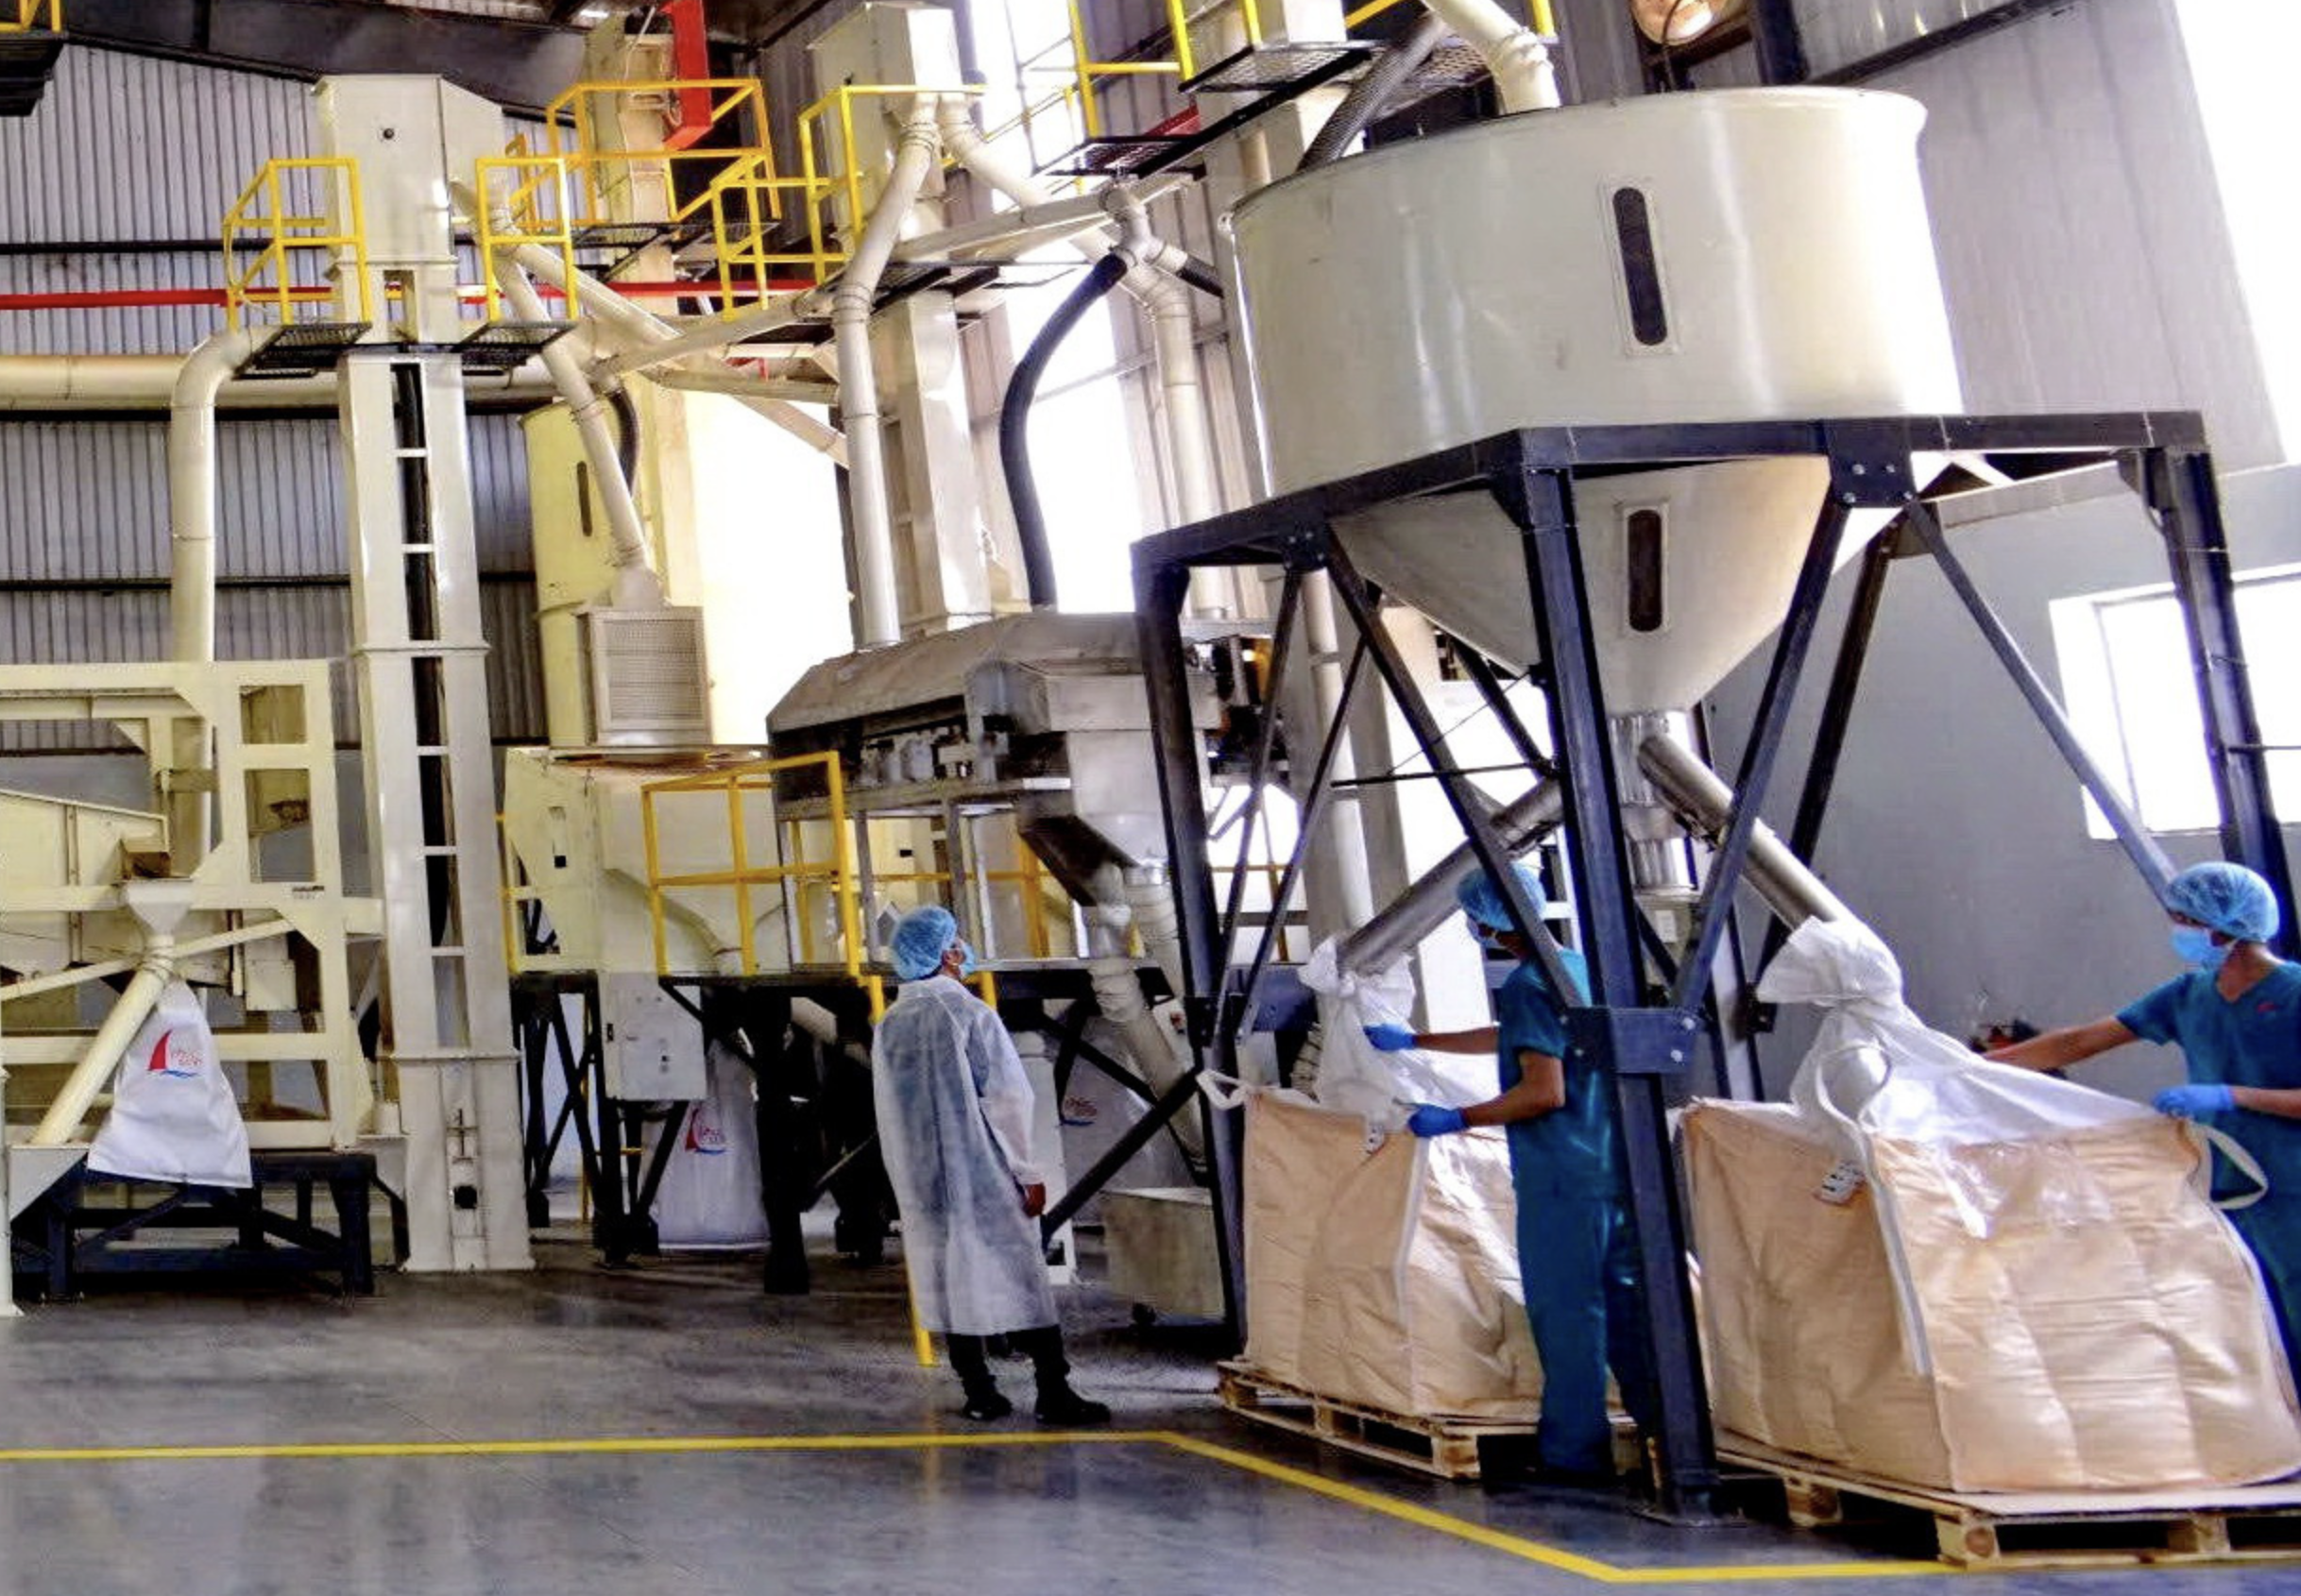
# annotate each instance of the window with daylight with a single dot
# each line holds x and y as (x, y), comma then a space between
(2130, 691)
(1083, 459)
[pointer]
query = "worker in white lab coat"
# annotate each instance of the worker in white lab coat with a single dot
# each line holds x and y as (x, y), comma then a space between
(954, 1127)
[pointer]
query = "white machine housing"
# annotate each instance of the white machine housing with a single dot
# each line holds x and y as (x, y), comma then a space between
(1732, 255)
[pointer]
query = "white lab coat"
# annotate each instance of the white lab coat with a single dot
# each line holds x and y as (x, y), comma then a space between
(954, 1127)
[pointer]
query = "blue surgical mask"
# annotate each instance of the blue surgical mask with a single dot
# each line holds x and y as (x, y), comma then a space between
(2194, 945)
(966, 959)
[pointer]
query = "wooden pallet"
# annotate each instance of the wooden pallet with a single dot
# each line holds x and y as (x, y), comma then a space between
(1447, 1448)
(2005, 1530)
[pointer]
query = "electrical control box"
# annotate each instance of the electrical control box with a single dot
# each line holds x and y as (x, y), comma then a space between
(653, 1047)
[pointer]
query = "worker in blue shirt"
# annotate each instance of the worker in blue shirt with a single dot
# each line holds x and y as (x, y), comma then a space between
(1577, 1259)
(2237, 1016)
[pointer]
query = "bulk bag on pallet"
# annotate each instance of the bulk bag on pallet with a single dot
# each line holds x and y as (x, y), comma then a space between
(1381, 1269)
(1962, 1275)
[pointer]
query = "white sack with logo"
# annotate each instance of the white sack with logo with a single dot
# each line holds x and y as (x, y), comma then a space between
(173, 1116)
(711, 1191)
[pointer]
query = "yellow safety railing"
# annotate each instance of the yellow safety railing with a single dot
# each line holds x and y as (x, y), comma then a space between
(736, 132)
(523, 200)
(296, 207)
(745, 200)
(841, 870)
(35, 16)
(834, 166)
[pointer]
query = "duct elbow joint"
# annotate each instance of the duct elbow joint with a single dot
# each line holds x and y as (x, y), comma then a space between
(1524, 73)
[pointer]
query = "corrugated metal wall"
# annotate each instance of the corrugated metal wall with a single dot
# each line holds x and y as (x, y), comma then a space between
(84, 553)
(127, 150)
(129, 147)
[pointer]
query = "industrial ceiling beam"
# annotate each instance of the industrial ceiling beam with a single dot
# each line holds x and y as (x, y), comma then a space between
(521, 66)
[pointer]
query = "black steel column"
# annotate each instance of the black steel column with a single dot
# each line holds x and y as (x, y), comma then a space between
(758, 1023)
(1634, 1047)
(1837, 715)
(2140, 847)
(1160, 590)
(1767, 725)
(1781, 47)
(2185, 501)
(1469, 805)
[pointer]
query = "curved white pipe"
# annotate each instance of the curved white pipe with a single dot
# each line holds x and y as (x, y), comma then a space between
(1156, 1051)
(1174, 331)
(625, 531)
(651, 332)
(111, 1041)
(851, 298)
(191, 490)
(82, 382)
(1524, 80)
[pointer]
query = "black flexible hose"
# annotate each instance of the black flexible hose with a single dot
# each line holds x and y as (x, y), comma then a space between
(1200, 276)
(626, 432)
(1015, 422)
(1374, 91)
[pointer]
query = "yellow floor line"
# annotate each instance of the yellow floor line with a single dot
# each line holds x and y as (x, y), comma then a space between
(1534, 1550)
(1336, 1490)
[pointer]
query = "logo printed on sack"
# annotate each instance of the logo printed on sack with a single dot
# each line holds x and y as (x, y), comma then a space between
(704, 1135)
(177, 1053)
(1838, 1187)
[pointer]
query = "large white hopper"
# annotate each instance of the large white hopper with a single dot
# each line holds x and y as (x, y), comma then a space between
(1728, 256)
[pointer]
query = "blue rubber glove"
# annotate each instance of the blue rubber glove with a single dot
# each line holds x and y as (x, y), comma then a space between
(1389, 1039)
(1431, 1120)
(2189, 1102)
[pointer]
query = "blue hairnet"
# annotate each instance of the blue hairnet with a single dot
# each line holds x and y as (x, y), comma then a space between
(1480, 896)
(2227, 898)
(920, 940)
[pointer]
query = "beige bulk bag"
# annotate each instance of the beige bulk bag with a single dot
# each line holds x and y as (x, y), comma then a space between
(1382, 1269)
(1961, 1275)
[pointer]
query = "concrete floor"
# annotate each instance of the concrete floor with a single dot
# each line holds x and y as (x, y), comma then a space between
(671, 1429)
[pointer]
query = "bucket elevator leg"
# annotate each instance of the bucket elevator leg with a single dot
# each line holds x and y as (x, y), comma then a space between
(420, 657)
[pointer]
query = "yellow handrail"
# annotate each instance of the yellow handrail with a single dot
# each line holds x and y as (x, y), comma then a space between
(744, 199)
(843, 178)
(534, 204)
(841, 870)
(262, 212)
(28, 17)
(571, 132)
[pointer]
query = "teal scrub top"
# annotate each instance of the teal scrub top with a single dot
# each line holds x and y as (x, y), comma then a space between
(1570, 1150)
(2255, 1041)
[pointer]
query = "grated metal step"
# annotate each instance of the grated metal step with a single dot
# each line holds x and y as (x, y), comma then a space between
(303, 349)
(1115, 154)
(1281, 70)
(503, 345)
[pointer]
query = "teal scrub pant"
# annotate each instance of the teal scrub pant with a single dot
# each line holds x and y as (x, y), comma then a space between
(2272, 1227)
(1580, 1267)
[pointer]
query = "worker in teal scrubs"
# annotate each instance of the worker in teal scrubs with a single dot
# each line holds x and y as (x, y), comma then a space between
(1576, 1258)
(2237, 1017)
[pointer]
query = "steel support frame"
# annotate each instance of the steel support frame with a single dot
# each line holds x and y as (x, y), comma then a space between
(1530, 475)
